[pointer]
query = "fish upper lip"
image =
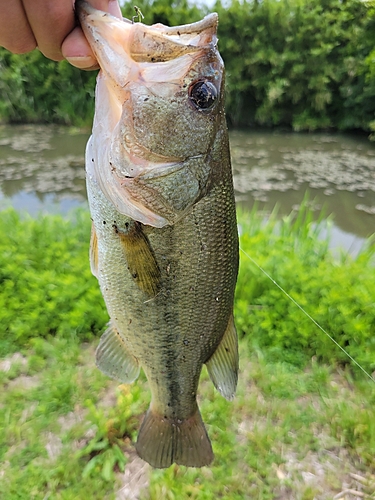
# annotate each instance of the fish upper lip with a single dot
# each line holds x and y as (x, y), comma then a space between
(84, 9)
(156, 40)
(134, 52)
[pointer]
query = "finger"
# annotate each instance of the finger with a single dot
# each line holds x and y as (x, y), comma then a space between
(15, 32)
(75, 47)
(111, 6)
(50, 21)
(77, 51)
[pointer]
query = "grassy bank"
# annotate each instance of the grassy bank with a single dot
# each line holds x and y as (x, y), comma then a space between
(47, 288)
(302, 425)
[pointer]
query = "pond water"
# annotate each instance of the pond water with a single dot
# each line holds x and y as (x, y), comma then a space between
(42, 170)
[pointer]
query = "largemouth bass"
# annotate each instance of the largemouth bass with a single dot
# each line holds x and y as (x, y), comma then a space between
(164, 243)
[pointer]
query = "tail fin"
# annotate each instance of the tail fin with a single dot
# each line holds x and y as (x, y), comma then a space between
(163, 441)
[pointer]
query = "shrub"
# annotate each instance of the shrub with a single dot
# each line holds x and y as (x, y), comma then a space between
(46, 287)
(337, 292)
(302, 64)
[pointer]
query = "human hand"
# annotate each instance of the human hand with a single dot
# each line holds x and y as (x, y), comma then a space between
(51, 26)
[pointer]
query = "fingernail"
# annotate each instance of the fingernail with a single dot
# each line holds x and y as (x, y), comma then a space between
(83, 62)
(114, 8)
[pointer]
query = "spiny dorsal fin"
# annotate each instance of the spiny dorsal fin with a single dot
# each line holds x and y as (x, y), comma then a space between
(140, 258)
(94, 252)
(223, 364)
(113, 359)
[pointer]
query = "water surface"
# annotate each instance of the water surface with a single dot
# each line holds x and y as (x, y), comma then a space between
(337, 171)
(42, 170)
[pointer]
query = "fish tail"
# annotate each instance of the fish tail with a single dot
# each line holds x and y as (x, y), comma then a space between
(163, 441)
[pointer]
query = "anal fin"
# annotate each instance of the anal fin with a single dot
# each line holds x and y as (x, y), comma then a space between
(223, 364)
(114, 360)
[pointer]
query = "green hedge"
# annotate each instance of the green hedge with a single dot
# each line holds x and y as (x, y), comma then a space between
(36, 89)
(305, 64)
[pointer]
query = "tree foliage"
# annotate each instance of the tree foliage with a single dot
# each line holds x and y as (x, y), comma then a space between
(36, 89)
(302, 64)
(296, 63)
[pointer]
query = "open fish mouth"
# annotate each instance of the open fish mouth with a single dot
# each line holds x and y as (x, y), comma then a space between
(156, 83)
(142, 43)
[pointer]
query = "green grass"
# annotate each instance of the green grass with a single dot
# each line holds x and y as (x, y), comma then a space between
(69, 431)
(301, 426)
(337, 292)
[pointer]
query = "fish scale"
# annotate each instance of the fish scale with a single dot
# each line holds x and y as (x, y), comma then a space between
(164, 242)
(197, 281)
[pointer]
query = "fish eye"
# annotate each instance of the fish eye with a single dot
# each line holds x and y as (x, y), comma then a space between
(203, 95)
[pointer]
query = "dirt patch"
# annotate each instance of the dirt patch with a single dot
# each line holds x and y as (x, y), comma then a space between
(24, 382)
(135, 479)
(16, 358)
(53, 445)
(321, 475)
(108, 397)
(71, 419)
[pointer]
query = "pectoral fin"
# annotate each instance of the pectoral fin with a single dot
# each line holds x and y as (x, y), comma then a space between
(140, 258)
(113, 359)
(223, 364)
(94, 252)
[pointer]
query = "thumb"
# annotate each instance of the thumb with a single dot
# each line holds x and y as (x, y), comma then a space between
(75, 47)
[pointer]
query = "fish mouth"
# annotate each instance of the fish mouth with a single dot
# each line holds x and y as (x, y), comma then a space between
(141, 63)
(134, 52)
(142, 43)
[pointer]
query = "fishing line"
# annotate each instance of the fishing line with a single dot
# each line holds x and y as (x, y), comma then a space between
(307, 314)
